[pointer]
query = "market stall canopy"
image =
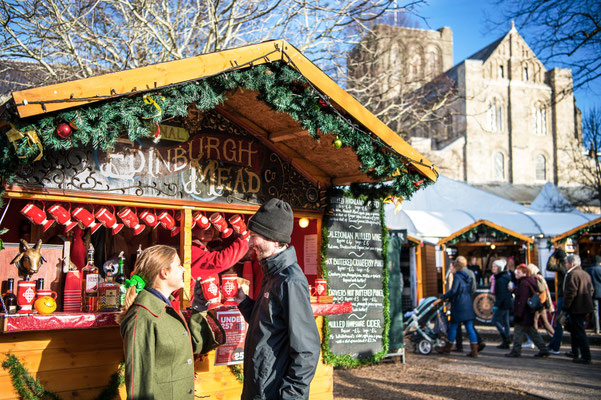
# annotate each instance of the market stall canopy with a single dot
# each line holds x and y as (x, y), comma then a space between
(487, 225)
(337, 157)
(591, 227)
(441, 209)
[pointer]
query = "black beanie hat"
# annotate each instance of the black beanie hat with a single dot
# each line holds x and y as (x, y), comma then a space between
(274, 221)
(559, 254)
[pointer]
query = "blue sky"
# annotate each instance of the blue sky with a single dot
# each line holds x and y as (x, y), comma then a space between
(471, 32)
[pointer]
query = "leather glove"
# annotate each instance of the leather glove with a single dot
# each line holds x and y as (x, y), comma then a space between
(199, 303)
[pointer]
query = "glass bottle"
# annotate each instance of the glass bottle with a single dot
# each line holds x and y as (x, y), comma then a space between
(40, 284)
(10, 300)
(120, 279)
(89, 281)
(108, 294)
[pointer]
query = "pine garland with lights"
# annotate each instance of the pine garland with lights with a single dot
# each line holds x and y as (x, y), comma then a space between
(346, 360)
(278, 85)
(482, 230)
(31, 389)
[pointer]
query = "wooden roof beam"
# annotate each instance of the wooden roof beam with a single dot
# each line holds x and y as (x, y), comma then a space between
(287, 134)
(347, 180)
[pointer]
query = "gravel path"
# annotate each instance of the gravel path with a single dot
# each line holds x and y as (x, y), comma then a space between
(491, 376)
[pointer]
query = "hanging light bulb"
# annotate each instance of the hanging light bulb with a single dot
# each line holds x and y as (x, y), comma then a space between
(303, 222)
(492, 246)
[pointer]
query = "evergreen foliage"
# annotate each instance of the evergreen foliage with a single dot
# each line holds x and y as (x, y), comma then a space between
(278, 85)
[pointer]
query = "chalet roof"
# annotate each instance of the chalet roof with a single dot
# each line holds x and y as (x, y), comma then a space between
(328, 165)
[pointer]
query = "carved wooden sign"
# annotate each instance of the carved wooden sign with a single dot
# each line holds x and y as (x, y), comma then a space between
(219, 163)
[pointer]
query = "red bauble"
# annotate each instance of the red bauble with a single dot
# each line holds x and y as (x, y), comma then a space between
(64, 130)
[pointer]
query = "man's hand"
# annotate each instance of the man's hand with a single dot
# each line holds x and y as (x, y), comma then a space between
(240, 296)
(437, 302)
(199, 303)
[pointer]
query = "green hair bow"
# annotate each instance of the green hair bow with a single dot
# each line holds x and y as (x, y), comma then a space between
(136, 281)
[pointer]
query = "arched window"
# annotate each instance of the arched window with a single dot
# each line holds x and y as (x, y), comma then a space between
(525, 73)
(494, 116)
(541, 168)
(501, 72)
(432, 62)
(539, 118)
(414, 68)
(499, 166)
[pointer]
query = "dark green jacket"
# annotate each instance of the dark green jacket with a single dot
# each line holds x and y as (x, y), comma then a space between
(159, 346)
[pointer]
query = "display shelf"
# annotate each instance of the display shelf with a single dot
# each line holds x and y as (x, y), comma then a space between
(61, 320)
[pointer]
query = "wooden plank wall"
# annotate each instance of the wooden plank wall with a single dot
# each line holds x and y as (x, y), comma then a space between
(430, 274)
(77, 364)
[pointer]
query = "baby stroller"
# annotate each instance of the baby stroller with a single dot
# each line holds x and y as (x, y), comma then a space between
(425, 325)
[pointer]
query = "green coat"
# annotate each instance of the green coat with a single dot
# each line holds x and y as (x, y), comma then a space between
(159, 346)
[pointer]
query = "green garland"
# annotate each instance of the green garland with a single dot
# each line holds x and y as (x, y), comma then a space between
(581, 232)
(482, 230)
(346, 360)
(237, 372)
(279, 86)
(31, 389)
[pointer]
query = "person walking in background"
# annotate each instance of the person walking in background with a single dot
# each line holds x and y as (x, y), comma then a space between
(462, 310)
(545, 299)
(577, 302)
(157, 341)
(502, 306)
(481, 345)
(557, 263)
(523, 316)
(595, 273)
(282, 346)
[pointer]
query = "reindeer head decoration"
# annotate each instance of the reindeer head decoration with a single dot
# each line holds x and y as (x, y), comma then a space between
(29, 260)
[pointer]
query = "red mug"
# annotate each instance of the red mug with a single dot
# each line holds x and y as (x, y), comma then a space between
(46, 292)
(210, 290)
(221, 225)
(25, 296)
(321, 287)
(239, 226)
(229, 288)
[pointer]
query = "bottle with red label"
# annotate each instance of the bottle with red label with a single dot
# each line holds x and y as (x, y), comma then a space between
(89, 284)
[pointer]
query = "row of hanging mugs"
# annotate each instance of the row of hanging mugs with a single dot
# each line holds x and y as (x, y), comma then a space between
(129, 218)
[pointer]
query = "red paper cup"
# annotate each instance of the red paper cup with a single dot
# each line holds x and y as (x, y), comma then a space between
(210, 290)
(229, 288)
(25, 296)
(321, 287)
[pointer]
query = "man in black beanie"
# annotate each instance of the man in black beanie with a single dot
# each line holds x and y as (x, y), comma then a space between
(282, 344)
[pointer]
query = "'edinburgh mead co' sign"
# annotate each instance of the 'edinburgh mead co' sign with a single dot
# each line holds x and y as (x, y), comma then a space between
(218, 163)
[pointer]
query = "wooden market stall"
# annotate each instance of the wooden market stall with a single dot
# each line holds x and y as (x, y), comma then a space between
(221, 132)
(584, 240)
(485, 241)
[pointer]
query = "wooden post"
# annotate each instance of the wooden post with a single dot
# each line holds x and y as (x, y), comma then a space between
(418, 273)
(444, 280)
(528, 255)
(185, 245)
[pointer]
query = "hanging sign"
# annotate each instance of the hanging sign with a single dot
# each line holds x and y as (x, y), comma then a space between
(232, 352)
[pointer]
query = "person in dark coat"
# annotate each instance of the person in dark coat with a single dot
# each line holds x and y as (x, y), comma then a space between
(557, 263)
(502, 306)
(577, 302)
(462, 309)
(523, 316)
(158, 343)
(282, 346)
(595, 273)
(459, 340)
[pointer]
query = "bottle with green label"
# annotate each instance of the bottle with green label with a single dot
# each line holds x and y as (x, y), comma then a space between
(120, 279)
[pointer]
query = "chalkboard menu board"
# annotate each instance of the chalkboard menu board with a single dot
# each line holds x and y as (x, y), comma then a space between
(355, 264)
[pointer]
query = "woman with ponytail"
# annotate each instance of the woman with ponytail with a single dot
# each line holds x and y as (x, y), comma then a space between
(158, 342)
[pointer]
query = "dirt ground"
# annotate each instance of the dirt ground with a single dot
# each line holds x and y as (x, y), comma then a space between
(420, 378)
